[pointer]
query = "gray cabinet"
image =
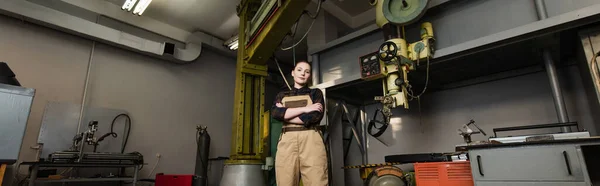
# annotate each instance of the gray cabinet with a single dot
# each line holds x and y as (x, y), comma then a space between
(519, 165)
(15, 104)
(483, 183)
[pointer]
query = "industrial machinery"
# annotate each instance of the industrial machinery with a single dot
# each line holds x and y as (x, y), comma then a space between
(395, 57)
(77, 153)
(263, 25)
(467, 131)
(392, 63)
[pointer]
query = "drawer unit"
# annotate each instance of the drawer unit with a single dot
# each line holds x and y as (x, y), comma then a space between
(531, 163)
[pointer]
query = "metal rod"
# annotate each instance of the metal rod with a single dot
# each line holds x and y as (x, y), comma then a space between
(86, 85)
(529, 127)
(363, 120)
(354, 132)
(541, 9)
(135, 174)
(559, 102)
(316, 70)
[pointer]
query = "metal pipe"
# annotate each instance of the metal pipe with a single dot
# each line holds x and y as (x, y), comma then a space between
(541, 9)
(316, 70)
(86, 85)
(363, 121)
(559, 102)
(354, 131)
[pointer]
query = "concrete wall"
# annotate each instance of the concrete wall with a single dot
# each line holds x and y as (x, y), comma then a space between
(53, 63)
(523, 100)
(165, 101)
(459, 22)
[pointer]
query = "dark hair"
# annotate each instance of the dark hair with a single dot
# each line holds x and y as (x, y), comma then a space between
(302, 62)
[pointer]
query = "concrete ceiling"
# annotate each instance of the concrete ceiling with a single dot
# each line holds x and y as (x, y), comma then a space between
(353, 7)
(178, 19)
(218, 17)
(215, 17)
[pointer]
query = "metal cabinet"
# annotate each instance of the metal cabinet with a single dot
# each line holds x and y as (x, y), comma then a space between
(558, 163)
(15, 104)
(483, 183)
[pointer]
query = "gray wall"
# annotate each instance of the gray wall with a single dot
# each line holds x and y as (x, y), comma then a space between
(165, 101)
(523, 100)
(460, 22)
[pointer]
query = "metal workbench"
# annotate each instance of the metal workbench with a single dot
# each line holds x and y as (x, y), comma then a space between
(35, 166)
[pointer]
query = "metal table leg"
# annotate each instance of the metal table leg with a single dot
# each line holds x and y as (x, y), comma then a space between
(33, 175)
(135, 174)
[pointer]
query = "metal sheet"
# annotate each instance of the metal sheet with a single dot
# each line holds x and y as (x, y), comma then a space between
(59, 126)
(342, 61)
(242, 175)
(15, 105)
(559, 136)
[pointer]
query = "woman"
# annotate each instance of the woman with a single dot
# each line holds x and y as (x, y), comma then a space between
(300, 150)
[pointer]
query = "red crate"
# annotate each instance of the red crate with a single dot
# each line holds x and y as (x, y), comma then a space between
(444, 174)
(173, 180)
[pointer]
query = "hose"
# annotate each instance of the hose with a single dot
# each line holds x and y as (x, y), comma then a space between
(126, 137)
(309, 28)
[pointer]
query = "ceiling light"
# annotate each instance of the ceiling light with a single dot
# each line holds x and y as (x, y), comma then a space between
(141, 6)
(128, 5)
(234, 46)
(232, 43)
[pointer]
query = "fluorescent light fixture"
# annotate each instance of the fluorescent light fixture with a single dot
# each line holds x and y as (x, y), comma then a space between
(232, 43)
(128, 5)
(141, 6)
(234, 46)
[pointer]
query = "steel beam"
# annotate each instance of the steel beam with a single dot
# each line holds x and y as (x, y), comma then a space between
(273, 32)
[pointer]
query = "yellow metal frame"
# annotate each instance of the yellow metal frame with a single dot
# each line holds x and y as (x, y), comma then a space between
(249, 132)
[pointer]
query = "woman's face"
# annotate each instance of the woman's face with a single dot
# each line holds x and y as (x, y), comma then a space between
(301, 73)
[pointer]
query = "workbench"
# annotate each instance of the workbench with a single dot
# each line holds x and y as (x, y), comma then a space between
(35, 166)
(570, 162)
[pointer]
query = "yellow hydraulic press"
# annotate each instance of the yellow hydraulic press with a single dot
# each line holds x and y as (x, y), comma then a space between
(396, 57)
(263, 25)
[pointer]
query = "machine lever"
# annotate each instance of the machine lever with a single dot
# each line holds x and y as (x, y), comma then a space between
(479, 165)
(567, 162)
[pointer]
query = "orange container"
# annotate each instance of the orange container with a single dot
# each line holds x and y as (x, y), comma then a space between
(443, 174)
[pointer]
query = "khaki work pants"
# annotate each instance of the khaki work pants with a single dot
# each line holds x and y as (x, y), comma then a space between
(301, 154)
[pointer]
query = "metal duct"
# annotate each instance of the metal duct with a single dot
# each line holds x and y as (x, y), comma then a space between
(81, 27)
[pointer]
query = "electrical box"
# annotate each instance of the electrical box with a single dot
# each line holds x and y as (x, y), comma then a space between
(371, 67)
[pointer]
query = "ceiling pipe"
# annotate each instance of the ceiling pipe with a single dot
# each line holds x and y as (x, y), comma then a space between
(559, 101)
(64, 22)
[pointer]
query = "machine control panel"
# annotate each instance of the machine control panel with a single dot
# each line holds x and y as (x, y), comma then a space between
(371, 67)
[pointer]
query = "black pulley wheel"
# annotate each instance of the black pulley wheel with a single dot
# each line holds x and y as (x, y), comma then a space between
(387, 51)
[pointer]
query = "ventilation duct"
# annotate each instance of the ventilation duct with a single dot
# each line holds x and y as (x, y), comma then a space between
(64, 22)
